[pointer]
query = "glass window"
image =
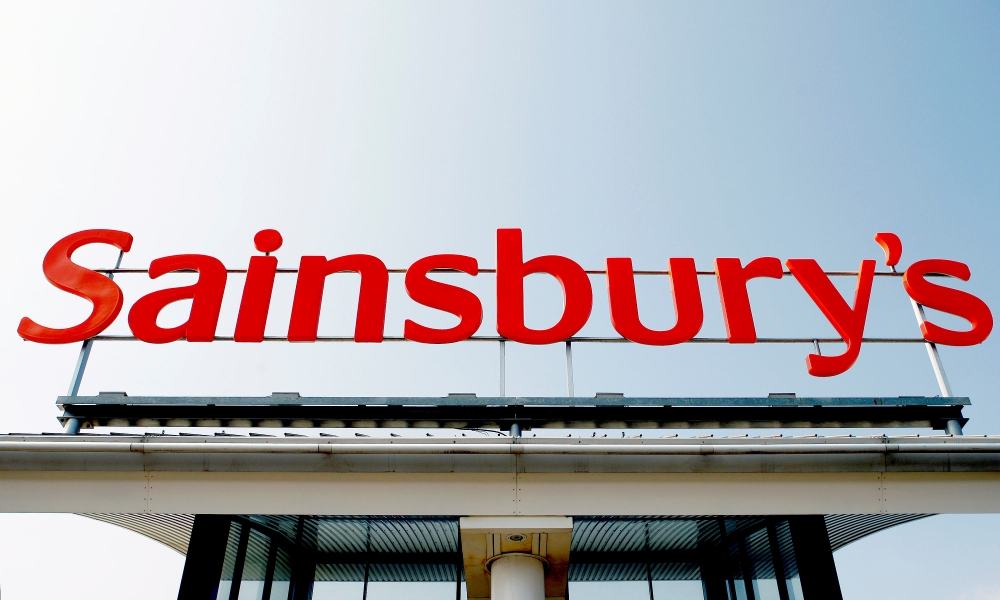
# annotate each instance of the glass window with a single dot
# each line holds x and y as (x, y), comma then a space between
(678, 590)
(338, 582)
(254, 566)
(411, 582)
(758, 550)
(411, 590)
(337, 590)
(603, 590)
(229, 563)
(281, 580)
(790, 568)
(676, 581)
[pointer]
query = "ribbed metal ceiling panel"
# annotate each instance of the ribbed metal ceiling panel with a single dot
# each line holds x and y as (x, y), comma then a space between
(436, 535)
(844, 529)
(172, 531)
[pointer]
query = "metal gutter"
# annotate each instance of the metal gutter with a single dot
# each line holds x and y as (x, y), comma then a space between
(501, 448)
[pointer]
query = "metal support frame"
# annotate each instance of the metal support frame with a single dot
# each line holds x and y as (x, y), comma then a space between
(614, 412)
(952, 426)
(503, 369)
(72, 426)
(569, 369)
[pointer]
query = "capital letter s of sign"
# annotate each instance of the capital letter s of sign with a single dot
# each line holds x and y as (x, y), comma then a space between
(949, 300)
(68, 276)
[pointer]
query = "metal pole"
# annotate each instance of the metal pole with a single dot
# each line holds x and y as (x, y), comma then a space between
(503, 369)
(72, 426)
(569, 369)
(649, 571)
(953, 427)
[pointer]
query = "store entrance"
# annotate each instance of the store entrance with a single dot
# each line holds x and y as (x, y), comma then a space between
(258, 557)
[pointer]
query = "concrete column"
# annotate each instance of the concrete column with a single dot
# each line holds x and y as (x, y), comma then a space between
(517, 577)
(516, 557)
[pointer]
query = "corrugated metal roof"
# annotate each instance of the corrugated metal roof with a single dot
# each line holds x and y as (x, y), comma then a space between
(173, 531)
(609, 534)
(844, 529)
(635, 572)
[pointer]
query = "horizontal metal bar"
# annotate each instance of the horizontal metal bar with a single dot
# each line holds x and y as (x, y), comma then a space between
(291, 399)
(493, 271)
(575, 340)
(687, 449)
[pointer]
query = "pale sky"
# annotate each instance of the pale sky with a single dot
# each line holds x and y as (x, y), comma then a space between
(641, 129)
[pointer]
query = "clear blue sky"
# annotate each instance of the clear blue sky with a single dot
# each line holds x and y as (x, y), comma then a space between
(640, 129)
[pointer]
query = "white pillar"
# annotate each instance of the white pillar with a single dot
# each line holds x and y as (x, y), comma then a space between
(517, 577)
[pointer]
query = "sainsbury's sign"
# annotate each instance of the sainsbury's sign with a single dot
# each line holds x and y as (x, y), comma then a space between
(848, 318)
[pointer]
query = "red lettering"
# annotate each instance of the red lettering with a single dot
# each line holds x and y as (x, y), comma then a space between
(849, 322)
(949, 300)
(256, 301)
(460, 302)
(578, 296)
(313, 271)
(892, 247)
(732, 278)
(206, 301)
(103, 293)
(625, 308)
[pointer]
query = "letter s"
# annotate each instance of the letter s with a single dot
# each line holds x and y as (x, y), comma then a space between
(68, 276)
(949, 300)
(448, 298)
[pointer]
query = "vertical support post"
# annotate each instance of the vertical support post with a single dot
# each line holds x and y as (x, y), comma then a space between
(72, 426)
(953, 427)
(241, 559)
(368, 558)
(776, 558)
(503, 370)
(749, 574)
(205, 555)
(272, 558)
(645, 531)
(814, 557)
(713, 577)
(569, 369)
(303, 566)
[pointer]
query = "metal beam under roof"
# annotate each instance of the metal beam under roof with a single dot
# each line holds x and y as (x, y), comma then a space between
(117, 409)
